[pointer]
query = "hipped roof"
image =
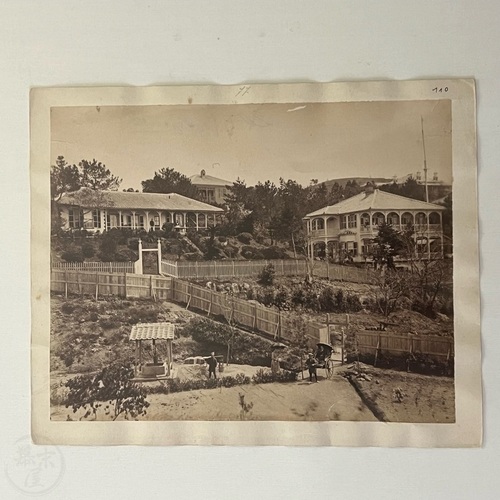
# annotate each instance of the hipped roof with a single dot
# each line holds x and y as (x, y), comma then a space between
(149, 201)
(152, 331)
(208, 180)
(377, 200)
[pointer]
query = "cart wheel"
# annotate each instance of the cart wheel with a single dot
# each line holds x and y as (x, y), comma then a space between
(329, 368)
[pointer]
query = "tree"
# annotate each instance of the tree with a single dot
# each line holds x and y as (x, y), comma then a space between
(96, 176)
(168, 180)
(111, 388)
(390, 288)
(411, 188)
(64, 178)
(390, 243)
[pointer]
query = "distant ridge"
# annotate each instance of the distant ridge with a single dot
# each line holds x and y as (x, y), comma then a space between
(360, 180)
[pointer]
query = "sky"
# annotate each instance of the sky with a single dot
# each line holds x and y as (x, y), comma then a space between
(258, 142)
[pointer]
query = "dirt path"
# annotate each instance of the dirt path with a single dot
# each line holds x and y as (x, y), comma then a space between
(326, 400)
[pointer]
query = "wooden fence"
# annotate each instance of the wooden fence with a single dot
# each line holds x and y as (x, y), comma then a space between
(252, 268)
(337, 272)
(102, 267)
(231, 268)
(441, 348)
(247, 314)
(101, 284)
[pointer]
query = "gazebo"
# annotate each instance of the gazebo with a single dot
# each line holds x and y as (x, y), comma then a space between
(152, 332)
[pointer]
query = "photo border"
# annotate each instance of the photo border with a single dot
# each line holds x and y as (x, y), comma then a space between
(467, 429)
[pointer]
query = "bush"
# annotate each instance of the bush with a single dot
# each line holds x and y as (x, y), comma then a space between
(108, 323)
(73, 255)
(266, 276)
(267, 376)
(245, 238)
(88, 250)
(251, 253)
(141, 315)
(113, 385)
(274, 252)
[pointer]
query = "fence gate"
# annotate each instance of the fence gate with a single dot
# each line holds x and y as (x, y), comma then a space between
(337, 331)
(149, 263)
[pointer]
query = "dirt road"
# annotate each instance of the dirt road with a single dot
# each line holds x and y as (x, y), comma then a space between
(325, 400)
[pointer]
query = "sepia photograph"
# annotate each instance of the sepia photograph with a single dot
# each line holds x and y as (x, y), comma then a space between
(252, 261)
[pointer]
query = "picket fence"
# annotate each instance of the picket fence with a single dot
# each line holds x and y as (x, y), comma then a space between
(225, 269)
(231, 268)
(126, 285)
(399, 344)
(103, 267)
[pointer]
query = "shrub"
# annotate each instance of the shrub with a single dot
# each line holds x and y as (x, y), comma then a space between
(251, 253)
(113, 384)
(88, 250)
(274, 252)
(266, 276)
(67, 308)
(267, 376)
(108, 323)
(133, 244)
(73, 255)
(141, 315)
(245, 238)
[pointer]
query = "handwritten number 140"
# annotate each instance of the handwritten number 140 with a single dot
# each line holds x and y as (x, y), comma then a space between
(439, 90)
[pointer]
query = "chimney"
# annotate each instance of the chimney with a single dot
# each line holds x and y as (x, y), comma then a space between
(435, 176)
(202, 173)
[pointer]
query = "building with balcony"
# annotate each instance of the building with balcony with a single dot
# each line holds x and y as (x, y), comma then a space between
(115, 209)
(210, 189)
(346, 231)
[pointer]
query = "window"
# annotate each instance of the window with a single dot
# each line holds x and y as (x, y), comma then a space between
(407, 219)
(378, 219)
(393, 219)
(202, 220)
(139, 221)
(157, 220)
(365, 221)
(367, 247)
(351, 221)
(434, 218)
(343, 221)
(318, 224)
(96, 218)
(126, 221)
(75, 218)
(421, 219)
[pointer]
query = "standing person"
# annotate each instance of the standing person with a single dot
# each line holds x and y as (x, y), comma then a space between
(311, 363)
(212, 365)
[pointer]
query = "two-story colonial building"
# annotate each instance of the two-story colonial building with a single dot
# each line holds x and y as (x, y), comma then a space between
(346, 230)
(211, 189)
(115, 209)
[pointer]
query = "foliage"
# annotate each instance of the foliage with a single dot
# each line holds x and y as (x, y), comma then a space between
(96, 177)
(73, 254)
(274, 252)
(251, 253)
(264, 376)
(111, 389)
(390, 243)
(245, 407)
(245, 238)
(411, 188)
(88, 250)
(266, 276)
(390, 289)
(168, 180)
(64, 178)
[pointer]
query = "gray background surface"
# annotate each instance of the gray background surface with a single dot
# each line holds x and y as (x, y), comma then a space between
(59, 43)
